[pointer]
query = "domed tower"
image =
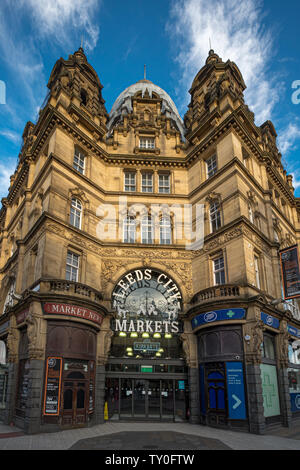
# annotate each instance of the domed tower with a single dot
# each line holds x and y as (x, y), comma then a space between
(145, 119)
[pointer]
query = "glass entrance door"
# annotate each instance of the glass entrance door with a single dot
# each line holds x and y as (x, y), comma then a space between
(167, 398)
(139, 398)
(154, 399)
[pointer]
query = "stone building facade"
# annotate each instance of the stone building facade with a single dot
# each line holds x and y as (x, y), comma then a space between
(139, 260)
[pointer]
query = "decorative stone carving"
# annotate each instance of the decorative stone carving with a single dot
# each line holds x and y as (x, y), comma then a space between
(283, 344)
(36, 335)
(13, 344)
(253, 337)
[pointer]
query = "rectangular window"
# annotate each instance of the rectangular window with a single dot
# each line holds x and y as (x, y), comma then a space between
(129, 181)
(79, 161)
(257, 271)
(215, 216)
(147, 143)
(147, 182)
(72, 267)
(219, 271)
(211, 165)
(164, 184)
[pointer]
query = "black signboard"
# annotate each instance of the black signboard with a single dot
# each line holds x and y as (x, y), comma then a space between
(52, 386)
(290, 270)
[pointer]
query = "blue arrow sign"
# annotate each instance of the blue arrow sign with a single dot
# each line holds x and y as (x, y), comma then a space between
(235, 390)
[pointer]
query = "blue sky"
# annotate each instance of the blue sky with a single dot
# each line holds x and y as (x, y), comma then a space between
(170, 36)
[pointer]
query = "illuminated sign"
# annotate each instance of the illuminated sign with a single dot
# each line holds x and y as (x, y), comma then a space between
(146, 301)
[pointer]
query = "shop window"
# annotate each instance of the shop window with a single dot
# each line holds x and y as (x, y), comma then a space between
(268, 348)
(294, 352)
(212, 344)
(68, 399)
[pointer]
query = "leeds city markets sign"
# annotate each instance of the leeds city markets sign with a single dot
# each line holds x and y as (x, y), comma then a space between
(147, 301)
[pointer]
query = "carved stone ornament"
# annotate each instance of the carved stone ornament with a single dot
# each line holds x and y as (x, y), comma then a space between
(189, 349)
(253, 337)
(36, 335)
(13, 344)
(283, 344)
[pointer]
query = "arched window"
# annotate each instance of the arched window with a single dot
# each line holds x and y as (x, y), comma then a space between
(76, 213)
(129, 229)
(147, 229)
(165, 230)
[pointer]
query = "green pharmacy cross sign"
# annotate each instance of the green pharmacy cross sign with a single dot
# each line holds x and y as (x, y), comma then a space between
(218, 315)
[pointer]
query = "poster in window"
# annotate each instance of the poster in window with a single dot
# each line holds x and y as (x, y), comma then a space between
(52, 386)
(289, 260)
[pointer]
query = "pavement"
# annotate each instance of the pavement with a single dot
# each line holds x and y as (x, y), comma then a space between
(148, 436)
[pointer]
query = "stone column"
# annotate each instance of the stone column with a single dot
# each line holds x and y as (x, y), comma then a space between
(13, 348)
(189, 345)
(253, 338)
(282, 345)
(37, 333)
(104, 339)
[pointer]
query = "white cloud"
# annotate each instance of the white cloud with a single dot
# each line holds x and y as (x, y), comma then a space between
(13, 136)
(236, 31)
(6, 170)
(65, 20)
(288, 138)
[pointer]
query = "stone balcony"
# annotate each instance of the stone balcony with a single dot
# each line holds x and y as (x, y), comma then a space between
(65, 288)
(225, 293)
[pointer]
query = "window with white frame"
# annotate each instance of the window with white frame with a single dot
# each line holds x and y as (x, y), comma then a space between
(211, 166)
(215, 216)
(219, 270)
(251, 213)
(72, 266)
(147, 182)
(164, 183)
(76, 213)
(257, 271)
(79, 161)
(129, 229)
(165, 229)
(129, 181)
(147, 143)
(147, 229)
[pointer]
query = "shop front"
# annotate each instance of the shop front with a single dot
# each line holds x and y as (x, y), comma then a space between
(146, 374)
